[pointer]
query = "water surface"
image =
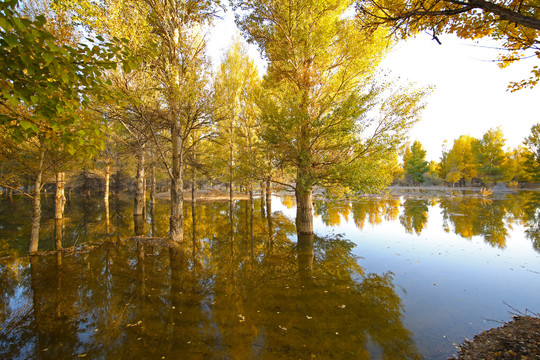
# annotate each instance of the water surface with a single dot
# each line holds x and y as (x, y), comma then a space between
(398, 278)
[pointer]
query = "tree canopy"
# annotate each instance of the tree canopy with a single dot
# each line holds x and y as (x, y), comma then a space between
(515, 24)
(415, 163)
(44, 83)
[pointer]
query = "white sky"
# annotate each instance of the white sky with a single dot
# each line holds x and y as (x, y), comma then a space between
(470, 94)
(470, 91)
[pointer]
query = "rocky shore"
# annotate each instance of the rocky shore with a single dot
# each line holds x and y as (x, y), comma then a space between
(517, 339)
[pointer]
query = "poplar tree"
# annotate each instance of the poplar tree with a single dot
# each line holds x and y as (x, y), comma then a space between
(235, 85)
(532, 156)
(317, 92)
(416, 165)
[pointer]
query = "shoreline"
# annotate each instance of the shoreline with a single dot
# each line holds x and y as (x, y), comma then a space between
(208, 195)
(515, 339)
(391, 191)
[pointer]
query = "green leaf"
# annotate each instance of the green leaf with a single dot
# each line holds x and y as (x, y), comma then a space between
(19, 24)
(11, 41)
(34, 99)
(52, 46)
(126, 66)
(25, 124)
(48, 58)
(14, 101)
(65, 78)
(4, 24)
(40, 20)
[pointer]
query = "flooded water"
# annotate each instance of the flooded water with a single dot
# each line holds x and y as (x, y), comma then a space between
(402, 278)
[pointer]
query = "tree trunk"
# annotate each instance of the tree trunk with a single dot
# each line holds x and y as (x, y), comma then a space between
(138, 224)
(141, 279)
(107, 181)
(305, 258)
(231, 162)
(139, 192)
(193, 185)
(262, 194)
(252, 208)
(194, 212)
(141, 276)
(60, 198)
(117, 182)
(250, 186)
(36, 207)
(153, 219)
(194, 223)
(177, 186)
(231, 221)
(58, 233)
(304, 209)
(268, 192)
(107, 218)
(270, 226)
(153, 185)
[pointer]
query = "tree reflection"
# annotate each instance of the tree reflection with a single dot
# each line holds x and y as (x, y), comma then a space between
(89, 220)
(414, 216)
(527, 210)
(374, 211)
(331, 212)
(148, 300)
(471, 216)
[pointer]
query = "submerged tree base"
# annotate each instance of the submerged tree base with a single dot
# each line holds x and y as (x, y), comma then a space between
(517, 339)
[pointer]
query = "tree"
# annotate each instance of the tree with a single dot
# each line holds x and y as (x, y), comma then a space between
(515, 24)
(44, 84)
(181, 72)
(134, 107)
(235, 85)
(51, 79)
(415, 163)
(406, 156)
(317, 91)
(532, 155)
(490, 155)
(460, 162)
(174, 32)
(515, 166)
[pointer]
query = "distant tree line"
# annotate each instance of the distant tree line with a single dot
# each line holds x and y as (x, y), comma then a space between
(472, 161)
